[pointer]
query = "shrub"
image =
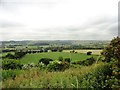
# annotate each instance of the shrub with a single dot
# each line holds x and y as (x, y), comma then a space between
(19, 55)
(60, 59)
(67, 60)
(57, 66)
(89, 53)
(45, 61)
(99, 78)
(28, 66)
(89, 61)
(60, 50)
(8, 74)
(112, 51)
(10, 56)
(11, 64)
(86, 62)
(42, 66)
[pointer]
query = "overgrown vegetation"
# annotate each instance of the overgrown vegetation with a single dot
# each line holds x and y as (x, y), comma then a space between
(98, 76)
(86, 62)
(62, 70)
(11, 64)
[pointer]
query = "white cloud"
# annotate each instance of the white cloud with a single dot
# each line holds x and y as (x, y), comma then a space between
(57, 19)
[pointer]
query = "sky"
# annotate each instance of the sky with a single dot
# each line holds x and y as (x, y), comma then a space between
(58, 19)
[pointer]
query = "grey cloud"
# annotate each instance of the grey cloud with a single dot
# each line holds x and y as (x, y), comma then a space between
(6, 24)
(108, 25)
(113, 29)
(32, 2)
(103, 28)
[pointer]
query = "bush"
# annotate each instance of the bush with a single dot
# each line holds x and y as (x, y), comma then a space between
(89, 61)
(28, 66)
(86, 62)
(60, 59)
(57, 66)
(45, 61)
(8, 74)
(19, 55)
(112, 51)
(10, 56)
(99, 78)
(89, 53)
(42, 66)
(67, 60)
(11, 64)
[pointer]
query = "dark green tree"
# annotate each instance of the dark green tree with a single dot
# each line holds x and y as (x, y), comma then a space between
(112, 51)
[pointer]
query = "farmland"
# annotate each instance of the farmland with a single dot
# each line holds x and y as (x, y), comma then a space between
(34, 58)
(95, 52)
(60, 64)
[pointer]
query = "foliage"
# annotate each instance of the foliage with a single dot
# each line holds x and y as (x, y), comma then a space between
(11, 64)
(64, 59)
(87, 62)
(41, 66)
(98, 76)
(10, 74)
(67, 60)
(28, 66)
(112, 55)
(60, 59)
(19, 55)
(45, 61)
(10, 56)
(112, 51)
(57, 66)
(89, 53)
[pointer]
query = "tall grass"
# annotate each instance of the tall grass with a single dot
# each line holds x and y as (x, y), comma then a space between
(70, 78)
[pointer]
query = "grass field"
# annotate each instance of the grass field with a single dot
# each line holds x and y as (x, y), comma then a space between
(96, 52)
(5, 53)
(34, 58)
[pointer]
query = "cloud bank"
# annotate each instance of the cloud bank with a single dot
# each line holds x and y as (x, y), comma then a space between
(58, 19)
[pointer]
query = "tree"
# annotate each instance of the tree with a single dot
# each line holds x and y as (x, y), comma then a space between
(45, 61)
(89, 53)
(10, 56)
(60, 58)
(67, 60)
(112, 51)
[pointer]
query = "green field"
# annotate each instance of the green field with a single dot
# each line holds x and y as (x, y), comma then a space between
(34, 58)
(96, 52)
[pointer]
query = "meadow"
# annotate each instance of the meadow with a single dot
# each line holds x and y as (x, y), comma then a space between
(95, 52)
(34, 58)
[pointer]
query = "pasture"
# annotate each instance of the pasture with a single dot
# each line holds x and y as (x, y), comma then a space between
(34, 58)
(5, 53)
(96, 52)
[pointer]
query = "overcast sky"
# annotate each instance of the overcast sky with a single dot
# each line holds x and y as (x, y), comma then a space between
(58, 19)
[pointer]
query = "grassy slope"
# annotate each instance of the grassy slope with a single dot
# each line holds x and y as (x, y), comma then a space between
(34, 58)
(41, 79)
